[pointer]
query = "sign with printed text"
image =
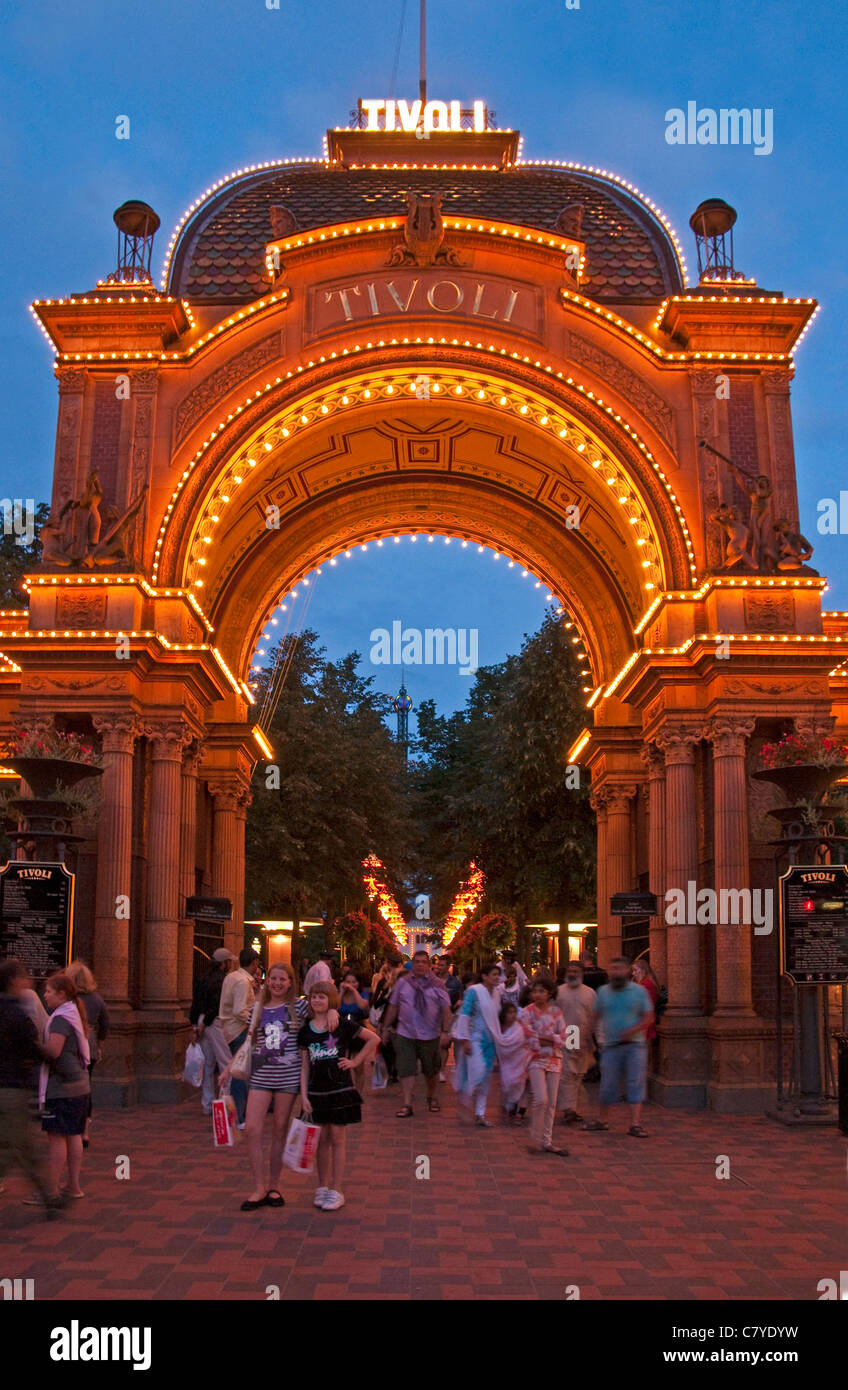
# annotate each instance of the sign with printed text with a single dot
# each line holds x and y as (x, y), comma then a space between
(37, 915)
(443, 294)
(814, 924)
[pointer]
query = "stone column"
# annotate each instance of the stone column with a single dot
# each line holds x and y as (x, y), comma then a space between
(678, 742)
(115, 1082)
(619, 877)
(654, 761)
(598, 802)
(227, 862)
(244, 801)
(113, 906)
(732, 867)
(188, 850)
(163, 867)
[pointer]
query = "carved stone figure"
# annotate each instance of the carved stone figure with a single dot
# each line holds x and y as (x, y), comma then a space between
(793, 549)
(423, 234)
(737, 536)
(759, 491)
(283, 222)
(73, 539)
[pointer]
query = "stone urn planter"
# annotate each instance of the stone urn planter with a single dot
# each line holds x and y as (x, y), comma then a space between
(45, 822)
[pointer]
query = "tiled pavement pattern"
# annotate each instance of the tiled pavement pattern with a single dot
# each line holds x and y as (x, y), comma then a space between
(621, 1218)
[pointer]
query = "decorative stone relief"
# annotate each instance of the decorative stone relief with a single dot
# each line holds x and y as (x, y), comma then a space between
(631, 386)
(215, 386)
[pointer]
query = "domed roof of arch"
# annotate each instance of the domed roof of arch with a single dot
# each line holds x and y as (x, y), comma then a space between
(219, 255)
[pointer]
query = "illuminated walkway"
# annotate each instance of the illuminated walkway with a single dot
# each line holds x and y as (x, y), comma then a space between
(620, 1218)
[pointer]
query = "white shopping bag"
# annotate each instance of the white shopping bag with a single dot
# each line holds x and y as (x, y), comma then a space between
(301, 1146)
(380, 1074)
(193, 1067)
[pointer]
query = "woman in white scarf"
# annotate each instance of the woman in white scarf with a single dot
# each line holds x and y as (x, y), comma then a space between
(477, 1033)
(64, 1086)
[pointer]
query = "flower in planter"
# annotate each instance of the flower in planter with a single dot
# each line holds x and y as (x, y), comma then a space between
(794, 751)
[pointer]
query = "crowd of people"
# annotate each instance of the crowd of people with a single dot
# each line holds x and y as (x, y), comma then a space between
(300, 1043)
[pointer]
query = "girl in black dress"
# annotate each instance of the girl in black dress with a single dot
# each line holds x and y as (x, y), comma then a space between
(327, 1091)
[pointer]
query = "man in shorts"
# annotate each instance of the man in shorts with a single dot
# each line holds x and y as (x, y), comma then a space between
(421, 1005)
(624, 1013)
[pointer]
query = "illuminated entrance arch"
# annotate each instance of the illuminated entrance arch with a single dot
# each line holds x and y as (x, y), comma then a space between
(368, 345)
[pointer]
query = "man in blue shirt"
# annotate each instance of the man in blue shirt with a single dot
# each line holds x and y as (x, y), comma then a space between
(624, 1014)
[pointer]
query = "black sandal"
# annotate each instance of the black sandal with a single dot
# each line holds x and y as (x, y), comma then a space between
(275, 1198)
(403, 1114)
(254, 1206)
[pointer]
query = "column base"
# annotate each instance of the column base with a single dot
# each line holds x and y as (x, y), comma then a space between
(161, 1039)
(794, 1119)
(113, 1085)
(742, 1065)
(681, 1073)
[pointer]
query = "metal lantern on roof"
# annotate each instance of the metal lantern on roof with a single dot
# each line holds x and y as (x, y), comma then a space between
(712, 222)
(137, 225)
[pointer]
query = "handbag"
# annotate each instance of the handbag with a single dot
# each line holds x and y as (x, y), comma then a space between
(242, 1063)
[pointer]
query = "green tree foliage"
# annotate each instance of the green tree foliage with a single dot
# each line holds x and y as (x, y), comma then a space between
(17, 560)
(491, 785)
(341, 793)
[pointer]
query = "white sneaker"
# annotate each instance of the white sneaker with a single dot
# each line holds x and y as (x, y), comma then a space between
(333, 1201)
(442, 1076)
(321, 1195)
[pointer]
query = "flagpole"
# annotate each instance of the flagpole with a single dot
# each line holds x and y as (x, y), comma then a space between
(422, 52)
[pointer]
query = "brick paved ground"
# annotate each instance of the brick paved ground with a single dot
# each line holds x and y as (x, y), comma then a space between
(621, 1218)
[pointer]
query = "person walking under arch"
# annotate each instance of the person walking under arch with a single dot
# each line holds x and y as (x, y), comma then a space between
(328, 1095)
(64, 1087)
(274, 1079)
(625, 1013)
(238, 995)
(577, 1003)
(422, 1007)
(544, 1028)
(477, 1038)
(203, 1014)
(98, 1023)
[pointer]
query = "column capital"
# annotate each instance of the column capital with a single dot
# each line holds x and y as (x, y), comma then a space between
(118, 730)
(227, 797)
(813, 726)
(168, 738)
(614, 797)
(727, 733)
(653, 758)
(191, 756)
(776, 381)
(678, 739)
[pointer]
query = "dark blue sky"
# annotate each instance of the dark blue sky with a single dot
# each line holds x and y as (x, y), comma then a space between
(210, 85)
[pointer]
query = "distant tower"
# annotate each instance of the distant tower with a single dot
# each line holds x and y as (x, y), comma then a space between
(401, 706)
(137, 225)
(711, 222)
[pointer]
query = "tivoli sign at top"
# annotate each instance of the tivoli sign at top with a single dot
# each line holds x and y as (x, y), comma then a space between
(384, 113)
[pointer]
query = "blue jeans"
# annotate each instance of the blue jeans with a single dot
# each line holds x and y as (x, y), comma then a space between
(625, 1065)
(238, 1089)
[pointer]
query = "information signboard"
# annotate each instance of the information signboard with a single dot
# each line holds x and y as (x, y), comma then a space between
(37, 915)
(814, 924)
